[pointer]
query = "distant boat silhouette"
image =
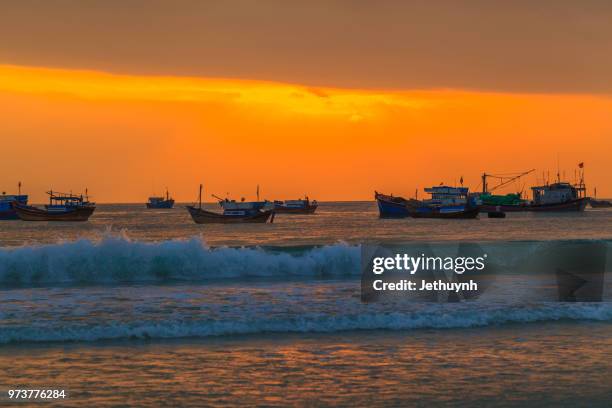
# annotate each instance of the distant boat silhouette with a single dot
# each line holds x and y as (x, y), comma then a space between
(161, 202)
(300, 206)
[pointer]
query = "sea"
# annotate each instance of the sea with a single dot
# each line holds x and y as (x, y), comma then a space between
(141, 307)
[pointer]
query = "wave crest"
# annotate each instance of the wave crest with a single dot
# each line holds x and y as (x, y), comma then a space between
(313, 323)
(117, 259)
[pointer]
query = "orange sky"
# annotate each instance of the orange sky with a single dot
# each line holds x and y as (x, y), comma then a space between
(128, 136)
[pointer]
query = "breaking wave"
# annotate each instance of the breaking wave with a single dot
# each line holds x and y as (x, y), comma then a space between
(312, 323)
(117, 259)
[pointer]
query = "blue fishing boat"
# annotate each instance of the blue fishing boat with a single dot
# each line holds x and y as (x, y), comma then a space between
(7, 212)
(390, 206)
(446, 202)
(161, 202)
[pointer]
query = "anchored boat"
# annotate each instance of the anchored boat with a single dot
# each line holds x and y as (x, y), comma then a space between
(490, 202)
(559, 196)
(233, 212)
(300, 206)
(161, 202)
(61, 207)
(446, 202)
(7, 212)
(390, 206)
(595, 203)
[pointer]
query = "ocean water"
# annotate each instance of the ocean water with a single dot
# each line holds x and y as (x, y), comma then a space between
(145, 307)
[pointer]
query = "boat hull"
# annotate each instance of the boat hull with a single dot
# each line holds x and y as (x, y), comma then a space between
(7, 212)
(28, 213)
(168, 204)
(394, 207)
(201, 216)
(572, 205)
(467, 213)
(309, 209)
(6, 215)
(600, 204)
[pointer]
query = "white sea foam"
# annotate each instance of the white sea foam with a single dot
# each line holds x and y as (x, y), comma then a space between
(117, 259)
(431, 318)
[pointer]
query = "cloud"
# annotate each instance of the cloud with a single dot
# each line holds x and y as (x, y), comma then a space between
(265, 97)
(517, 46)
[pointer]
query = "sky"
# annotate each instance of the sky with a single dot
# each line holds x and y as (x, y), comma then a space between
(329, 99)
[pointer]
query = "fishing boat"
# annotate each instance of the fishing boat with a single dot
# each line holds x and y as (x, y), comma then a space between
(490, 202)
(600, 203)
(447, 203)
(595, 203)
(161, 202)
(7, 212)
(550, 197)
(233, 205)
(390, 206)
(61, 207)
(300, 206)
(560, 196)
(233, 214)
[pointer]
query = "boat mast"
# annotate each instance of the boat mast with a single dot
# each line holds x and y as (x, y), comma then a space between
(504, 179)
(484, 183)
(200, 197)
(581, 185)
(19, 188)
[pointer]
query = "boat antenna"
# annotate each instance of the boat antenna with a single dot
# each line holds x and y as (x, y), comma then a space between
(200, 196)
(258, 192)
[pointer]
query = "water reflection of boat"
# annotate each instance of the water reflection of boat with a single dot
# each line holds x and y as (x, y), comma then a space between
(300, 206)
(7, 212)
(233, 213)
(161, 202)
(61, 207)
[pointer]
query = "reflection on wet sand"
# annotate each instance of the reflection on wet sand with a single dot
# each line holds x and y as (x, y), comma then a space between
(548, 363)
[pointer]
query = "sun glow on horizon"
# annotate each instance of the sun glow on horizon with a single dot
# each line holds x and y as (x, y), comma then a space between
(283, 98)
(128, 136)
